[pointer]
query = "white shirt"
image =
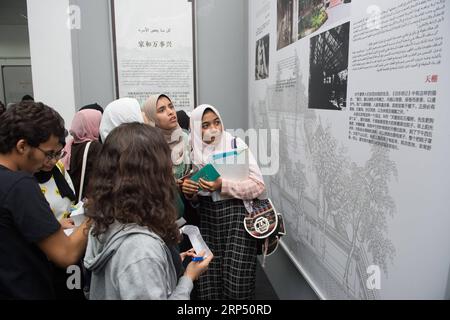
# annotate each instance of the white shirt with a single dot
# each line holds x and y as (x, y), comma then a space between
(60, 206)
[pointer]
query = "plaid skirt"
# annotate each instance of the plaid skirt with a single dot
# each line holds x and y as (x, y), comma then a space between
(231, 274)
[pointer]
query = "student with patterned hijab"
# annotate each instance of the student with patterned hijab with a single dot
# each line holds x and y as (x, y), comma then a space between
(232, 273)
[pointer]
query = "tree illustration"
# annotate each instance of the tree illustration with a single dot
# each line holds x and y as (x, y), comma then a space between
(367, 208)
(300, 184)
(285, 160)
(299, 180)
(331, 167)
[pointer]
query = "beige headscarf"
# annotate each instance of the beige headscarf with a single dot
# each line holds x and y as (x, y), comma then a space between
(173, 137)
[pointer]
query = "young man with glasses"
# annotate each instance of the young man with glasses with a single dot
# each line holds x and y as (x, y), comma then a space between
(56, 185)
(49, 156)
(30, 235)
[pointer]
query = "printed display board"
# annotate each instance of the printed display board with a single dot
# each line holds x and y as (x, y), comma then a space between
(359, 92)
(154, 50)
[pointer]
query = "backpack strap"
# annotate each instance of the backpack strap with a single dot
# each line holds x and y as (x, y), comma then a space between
(83, 169)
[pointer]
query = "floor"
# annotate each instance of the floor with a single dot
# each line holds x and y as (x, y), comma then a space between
(264, 289)
(289, 283)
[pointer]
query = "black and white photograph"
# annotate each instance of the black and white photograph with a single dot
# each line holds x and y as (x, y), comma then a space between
(329, 69)
(286, 23)
(262, 58)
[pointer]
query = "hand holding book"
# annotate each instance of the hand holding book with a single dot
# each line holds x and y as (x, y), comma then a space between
(207, 173)
(206, 178)
(211, 186)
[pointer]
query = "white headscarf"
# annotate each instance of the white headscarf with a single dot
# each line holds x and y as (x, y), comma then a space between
(123, 110)
(202, 152)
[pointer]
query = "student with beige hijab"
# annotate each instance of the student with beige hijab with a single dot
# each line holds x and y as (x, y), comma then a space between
(159, 112)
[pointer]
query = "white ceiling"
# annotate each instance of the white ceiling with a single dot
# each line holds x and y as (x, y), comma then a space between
(13, 12)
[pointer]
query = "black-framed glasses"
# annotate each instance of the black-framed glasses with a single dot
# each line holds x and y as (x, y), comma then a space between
(49, 155)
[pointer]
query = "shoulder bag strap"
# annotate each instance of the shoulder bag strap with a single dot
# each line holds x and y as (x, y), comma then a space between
(83, 170)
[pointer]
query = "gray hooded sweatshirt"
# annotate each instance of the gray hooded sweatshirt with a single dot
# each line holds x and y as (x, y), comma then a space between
(131, 262)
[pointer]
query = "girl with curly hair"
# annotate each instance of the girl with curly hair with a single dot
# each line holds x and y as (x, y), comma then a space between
(131, 247)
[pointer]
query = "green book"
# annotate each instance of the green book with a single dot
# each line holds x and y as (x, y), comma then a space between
(207, 173)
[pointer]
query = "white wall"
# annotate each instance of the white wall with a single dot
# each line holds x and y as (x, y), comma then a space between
(14, 41)
(222, 58)
(51, 55)
(92, 54)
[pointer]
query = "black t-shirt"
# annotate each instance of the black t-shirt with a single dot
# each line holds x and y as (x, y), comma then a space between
(25, 219)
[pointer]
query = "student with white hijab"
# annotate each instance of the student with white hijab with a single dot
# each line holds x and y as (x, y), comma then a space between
(232, 273)
(123, 110)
